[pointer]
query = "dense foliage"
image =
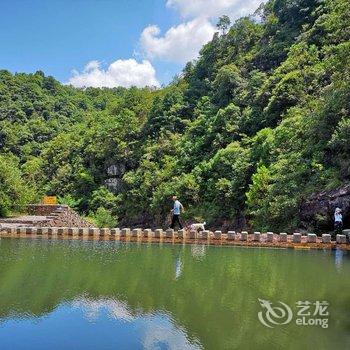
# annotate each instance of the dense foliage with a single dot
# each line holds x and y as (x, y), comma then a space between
(259, 122)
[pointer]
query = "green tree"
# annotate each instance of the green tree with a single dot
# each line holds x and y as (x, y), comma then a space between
(223, 24)
(15, 193)
(104, 218)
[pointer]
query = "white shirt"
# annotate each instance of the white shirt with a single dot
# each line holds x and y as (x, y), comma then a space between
(177, 207)
(338, 217)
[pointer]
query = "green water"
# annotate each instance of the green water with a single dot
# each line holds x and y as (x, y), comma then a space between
(108, 295)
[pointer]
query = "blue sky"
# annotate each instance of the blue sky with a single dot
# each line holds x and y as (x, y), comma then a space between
(109, 42)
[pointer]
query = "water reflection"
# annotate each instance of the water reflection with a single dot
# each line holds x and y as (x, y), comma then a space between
(178, 267)
(94, 308)
(156, 331)
(198, 251)
(161, 333)
(104, 295)
(338, 259)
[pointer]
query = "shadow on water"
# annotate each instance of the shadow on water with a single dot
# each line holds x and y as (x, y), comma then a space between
(61, 294)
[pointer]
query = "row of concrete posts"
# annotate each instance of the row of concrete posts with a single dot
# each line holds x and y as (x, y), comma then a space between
(171, 234)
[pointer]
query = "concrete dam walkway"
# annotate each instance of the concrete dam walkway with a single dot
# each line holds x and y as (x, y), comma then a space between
(60, 221)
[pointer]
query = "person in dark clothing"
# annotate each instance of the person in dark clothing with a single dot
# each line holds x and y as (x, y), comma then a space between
(176, 211)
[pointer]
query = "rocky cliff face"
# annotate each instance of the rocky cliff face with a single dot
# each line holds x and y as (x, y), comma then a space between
(114, 181)
(317, 212)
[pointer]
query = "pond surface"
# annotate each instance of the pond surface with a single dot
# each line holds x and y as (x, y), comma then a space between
(108, 295)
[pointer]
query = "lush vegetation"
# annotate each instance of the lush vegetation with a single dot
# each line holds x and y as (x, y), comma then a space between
(255, 125)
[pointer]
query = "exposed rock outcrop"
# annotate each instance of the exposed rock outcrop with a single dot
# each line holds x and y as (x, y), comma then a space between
(114, 184)
(317, 212)
(116, 170)
(114, 181)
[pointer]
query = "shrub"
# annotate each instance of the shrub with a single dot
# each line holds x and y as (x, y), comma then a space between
(104, 218)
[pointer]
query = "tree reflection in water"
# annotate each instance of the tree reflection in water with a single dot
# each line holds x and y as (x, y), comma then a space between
(192, 296)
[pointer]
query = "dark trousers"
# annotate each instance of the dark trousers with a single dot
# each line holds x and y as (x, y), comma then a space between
(175, 219)
(338, 226)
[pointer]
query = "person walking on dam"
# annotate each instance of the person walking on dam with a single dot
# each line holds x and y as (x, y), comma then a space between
(176, 212)
(338, 221)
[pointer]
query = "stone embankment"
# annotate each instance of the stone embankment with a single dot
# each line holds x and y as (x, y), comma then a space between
(43, 215)
(257, 239)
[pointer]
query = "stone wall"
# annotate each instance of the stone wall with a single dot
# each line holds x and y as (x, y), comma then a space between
(57, 216)
(43, 209)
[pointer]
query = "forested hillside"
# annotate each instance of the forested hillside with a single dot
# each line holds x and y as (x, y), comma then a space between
(257, 124)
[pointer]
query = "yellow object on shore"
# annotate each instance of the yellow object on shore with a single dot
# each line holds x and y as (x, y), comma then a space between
(50, 200)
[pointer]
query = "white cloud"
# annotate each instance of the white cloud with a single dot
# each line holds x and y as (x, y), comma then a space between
(124, 73)
(179, 44)
(214, 8)
(182, 43)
